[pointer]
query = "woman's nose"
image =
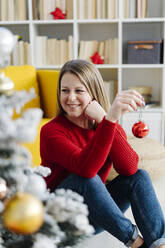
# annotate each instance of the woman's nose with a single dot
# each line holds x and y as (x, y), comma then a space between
(72, 96)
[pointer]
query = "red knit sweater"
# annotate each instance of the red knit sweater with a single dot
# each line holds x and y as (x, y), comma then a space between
(67, 148)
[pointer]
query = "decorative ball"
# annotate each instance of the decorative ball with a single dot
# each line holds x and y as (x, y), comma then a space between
(140, 129)
(7, 41)
(23, 214)
(35, 185)
(3, 189)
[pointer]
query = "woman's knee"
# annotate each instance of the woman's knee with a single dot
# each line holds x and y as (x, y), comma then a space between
(142, 175)
(92, 181)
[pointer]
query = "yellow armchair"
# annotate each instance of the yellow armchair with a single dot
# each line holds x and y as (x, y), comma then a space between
(45, 84)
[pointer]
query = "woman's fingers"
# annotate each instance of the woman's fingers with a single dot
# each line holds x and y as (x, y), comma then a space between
(125, 101)
(131, 97)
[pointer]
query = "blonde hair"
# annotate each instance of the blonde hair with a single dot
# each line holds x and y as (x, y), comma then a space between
(90, 77)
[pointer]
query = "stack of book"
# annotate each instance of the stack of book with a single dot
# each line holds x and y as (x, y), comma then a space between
(111, 89)
(52, 51)
(108, 50)
(135, 8)
(21, 53)
(13, 10)
(97, 9)
(43, 8)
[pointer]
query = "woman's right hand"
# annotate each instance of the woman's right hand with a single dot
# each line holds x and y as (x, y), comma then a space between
(125, 101)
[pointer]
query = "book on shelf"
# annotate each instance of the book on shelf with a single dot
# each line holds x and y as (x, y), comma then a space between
(91, 9)
(111, 9)
(11, 11)
(21, 10)
(69, 9)
(132, 9)
(103, 9)
(98, 9)
(4, 10)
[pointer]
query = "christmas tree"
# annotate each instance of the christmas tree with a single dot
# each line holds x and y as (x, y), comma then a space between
(31, 216)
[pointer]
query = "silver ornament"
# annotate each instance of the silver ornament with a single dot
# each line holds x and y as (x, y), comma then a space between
(7, 41)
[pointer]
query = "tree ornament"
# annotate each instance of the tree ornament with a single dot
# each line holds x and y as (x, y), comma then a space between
(7, 41)
(140, 128)
(3, 188)
(58, 14)
(23, 214)
(36, 185)
(6, 85)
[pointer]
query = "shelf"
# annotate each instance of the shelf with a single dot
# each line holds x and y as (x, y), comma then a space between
(136, 20)
(6, 23)
(97, 21)
(142, 66)
(53, 22)
(105, 66)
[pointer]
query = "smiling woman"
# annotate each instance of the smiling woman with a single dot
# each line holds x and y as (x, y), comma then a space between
(80, 145)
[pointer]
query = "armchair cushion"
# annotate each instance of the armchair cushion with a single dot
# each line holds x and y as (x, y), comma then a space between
(47, 80)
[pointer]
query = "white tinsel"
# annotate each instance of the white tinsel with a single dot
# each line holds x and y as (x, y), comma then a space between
(23, 128)
(43, 171)
(42, 241)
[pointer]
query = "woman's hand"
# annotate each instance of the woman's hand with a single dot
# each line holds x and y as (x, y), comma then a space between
(125, 101)
(94, 111)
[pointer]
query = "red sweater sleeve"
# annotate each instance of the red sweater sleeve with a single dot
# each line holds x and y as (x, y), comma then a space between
(85, 161)
(124, 158)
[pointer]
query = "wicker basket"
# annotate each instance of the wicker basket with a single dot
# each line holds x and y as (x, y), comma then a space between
(144, 52)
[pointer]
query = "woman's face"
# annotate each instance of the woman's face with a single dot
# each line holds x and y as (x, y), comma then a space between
(74, 96)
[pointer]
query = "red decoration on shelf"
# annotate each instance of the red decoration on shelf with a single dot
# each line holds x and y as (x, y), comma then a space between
(96, 58)
(140, 129)
(58, 14)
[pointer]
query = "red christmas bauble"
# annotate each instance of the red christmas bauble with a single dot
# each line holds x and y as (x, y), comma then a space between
(140, 129)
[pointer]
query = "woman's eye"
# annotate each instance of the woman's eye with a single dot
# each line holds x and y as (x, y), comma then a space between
(79, 91)
(64, 90)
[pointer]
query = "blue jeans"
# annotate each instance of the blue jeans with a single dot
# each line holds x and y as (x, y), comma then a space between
(106, 205)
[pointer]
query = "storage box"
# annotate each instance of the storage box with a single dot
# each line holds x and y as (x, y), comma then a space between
(144, 52)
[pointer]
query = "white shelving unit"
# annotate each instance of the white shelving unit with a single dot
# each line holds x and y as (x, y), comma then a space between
(152, 27)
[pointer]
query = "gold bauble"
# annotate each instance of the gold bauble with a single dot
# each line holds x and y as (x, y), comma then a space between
(3, 188)
(23, 214)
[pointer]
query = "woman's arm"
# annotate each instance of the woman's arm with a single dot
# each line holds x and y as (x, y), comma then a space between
(124, 158)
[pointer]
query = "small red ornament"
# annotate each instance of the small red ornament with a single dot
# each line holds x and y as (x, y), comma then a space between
(96, 58)
(140, 129)
(58, 14)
